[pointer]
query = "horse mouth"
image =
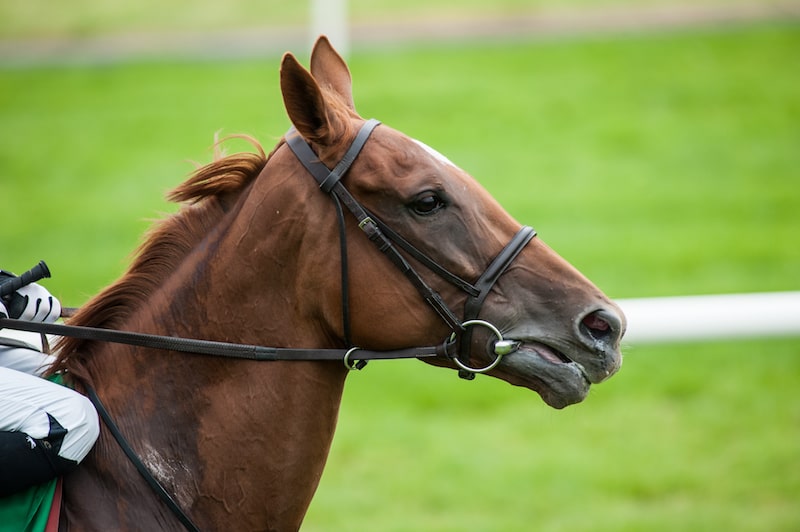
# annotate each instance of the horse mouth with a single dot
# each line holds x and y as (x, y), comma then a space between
(547, 353)
(556, 377)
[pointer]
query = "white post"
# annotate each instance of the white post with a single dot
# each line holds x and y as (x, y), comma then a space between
(329, 17)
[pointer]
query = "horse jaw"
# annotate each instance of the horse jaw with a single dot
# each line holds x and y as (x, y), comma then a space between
(559, 384)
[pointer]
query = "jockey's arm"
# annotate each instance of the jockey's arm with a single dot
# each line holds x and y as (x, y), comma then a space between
(45, 428)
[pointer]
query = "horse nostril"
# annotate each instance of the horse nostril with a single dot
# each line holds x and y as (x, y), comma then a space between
(597, 327)
(600, 326)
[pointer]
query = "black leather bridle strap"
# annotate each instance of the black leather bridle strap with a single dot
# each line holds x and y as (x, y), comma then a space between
(345, 278)
(497, 267)
(329, 180)
(385, 238)
(220, 349)
(485, 283)
(350, 155)
(429, 263)
(325, 177)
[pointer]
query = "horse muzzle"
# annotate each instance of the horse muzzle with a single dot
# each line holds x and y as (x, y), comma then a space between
(562, 370)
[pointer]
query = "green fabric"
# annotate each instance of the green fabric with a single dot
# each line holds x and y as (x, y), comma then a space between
(28, 510)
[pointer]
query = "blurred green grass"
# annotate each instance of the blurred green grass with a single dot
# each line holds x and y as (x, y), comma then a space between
(659, 165)
(696, 437)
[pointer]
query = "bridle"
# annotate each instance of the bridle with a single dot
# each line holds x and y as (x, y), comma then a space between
(386, 240)
(379, 234)
(330, 181)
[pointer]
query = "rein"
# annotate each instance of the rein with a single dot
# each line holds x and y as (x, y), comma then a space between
(221, 349)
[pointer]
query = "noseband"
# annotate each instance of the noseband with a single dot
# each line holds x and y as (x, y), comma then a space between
(387, 241)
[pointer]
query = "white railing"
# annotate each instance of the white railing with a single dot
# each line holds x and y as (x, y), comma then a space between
(714, 317)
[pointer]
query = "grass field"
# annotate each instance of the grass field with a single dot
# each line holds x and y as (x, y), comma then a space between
(659, 165)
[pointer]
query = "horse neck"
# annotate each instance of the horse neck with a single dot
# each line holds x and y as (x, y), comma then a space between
(248, 447)
(235, 441)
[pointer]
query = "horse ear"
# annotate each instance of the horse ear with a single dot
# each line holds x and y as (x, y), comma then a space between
(304, 103)
(328, 67)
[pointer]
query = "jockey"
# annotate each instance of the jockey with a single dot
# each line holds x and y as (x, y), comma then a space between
(45, 429)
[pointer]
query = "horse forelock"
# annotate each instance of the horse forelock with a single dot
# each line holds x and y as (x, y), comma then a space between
(344, 122)
(207, 195)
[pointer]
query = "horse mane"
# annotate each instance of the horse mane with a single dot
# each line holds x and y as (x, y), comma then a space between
(207, 195)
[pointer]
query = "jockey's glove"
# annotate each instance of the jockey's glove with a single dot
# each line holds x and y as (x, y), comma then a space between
(31, 302)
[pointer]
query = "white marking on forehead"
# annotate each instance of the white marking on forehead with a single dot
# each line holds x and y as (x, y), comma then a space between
(436, 155)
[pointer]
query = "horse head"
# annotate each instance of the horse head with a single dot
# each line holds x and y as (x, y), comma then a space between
(563, 331)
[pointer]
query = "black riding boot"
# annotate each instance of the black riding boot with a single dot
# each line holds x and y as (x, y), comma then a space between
(25, 461)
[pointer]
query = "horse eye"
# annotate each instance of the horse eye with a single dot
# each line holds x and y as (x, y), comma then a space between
(427, 203)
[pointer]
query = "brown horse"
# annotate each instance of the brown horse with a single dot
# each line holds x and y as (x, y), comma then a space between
(254, 257)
